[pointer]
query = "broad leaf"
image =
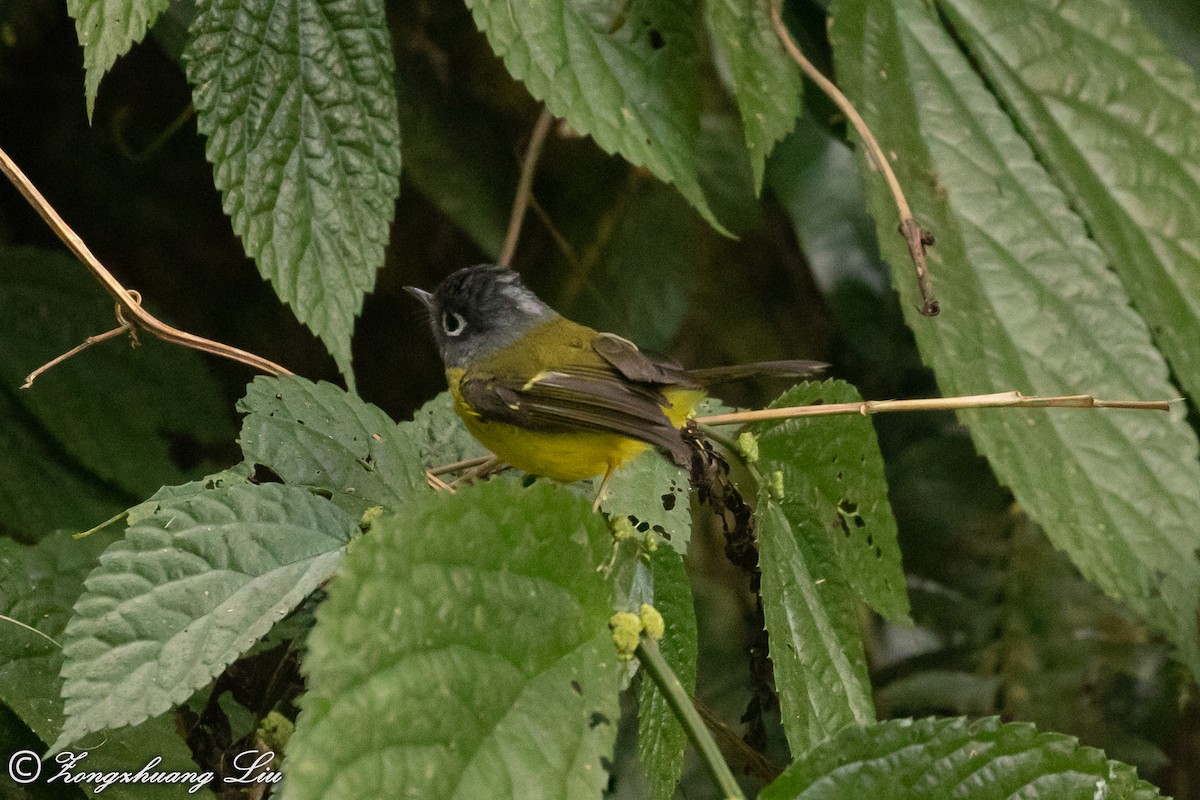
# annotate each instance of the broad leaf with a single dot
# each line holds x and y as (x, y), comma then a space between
(1116, 119)
(297, 102)
(817, 182)
(834, 490)
(106, 30)
(655, 494)
(41, 488)
(932, 759)
(816, 651)
(464, 652)
(320, 436)
(661, 738)
(153, 399)
(189, 589)
(1029, 304)
(628, 76)
(766, 82)
(440, 435)
(642, 271)
(38, 586)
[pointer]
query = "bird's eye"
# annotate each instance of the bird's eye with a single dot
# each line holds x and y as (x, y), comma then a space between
(453, 323)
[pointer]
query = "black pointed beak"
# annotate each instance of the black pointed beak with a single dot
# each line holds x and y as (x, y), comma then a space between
(425, 297)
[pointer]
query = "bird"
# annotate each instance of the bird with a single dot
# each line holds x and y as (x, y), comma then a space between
(558, 399)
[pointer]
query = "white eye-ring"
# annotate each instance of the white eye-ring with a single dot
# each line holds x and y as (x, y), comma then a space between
(453, 323)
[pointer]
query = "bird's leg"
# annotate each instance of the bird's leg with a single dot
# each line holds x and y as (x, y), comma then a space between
(602, 490)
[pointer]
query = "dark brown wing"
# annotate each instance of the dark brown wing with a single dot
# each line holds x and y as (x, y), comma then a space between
(624, 356)
(621, 394)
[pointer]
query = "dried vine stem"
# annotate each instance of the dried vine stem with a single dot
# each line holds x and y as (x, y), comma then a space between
(997, 400)
(131, 312)
(525, 185)
(916, 237)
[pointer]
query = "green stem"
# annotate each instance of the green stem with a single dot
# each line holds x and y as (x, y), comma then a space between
(677, 698)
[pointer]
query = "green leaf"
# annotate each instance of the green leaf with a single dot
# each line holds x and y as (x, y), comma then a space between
(643, 272)
(297, 102)
(118, 413)
(42, 488)
(38, 586)
(325, 438)
(235, 476)
(766, 83)
(628, 76)
(1028, 303)
(1116, 120)
(819, 665)
(661, 738)
(834, 490)
(106, 30)
(726, 174)
(188, 590)
(656, 493)
(932, 759)
(452, 156)
(464, 652)
(440, 435)
(817, 182)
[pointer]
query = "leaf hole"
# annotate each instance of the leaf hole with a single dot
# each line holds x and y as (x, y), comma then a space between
(264, 474)
(578, 689)
(668, 501)
(656, 39)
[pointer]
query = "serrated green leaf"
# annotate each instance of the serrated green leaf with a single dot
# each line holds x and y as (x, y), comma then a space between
(932, 759)
(297, 102)
(1036, 310)
(1116, 119)
(323, 437)
(766, 83)
(114, 411)
(464, 652)
(628, 76)
(835, 490)
(106, 30)
(816, 651)
(661, 738)
(235, 476)
(38, 586)
(187, 590)
(656, 493)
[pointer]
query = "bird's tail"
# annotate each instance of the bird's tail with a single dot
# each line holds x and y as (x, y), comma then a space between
(794, 368)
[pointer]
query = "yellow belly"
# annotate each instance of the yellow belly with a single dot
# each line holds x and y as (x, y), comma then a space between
(563, 456)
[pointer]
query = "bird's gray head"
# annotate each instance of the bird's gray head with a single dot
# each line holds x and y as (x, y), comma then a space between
(478, 310)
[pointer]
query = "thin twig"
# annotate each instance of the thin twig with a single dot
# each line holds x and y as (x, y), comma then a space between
(997, 400)
(88, 342)
(677, 698)
(135, 314)
(917, 238)
(31, 629)
(466, 463)
(525, 185)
